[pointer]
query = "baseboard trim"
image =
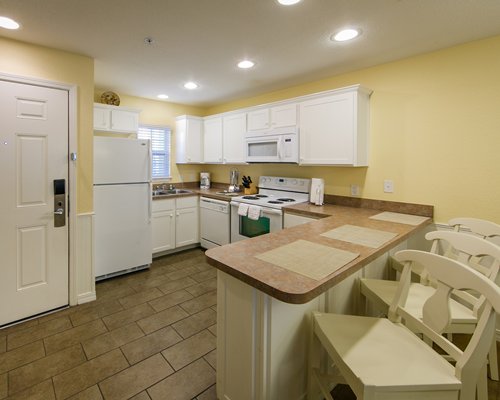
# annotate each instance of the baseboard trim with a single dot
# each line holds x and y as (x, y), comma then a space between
(86, 298)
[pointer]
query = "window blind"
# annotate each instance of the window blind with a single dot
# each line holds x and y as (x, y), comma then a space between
(160, 148)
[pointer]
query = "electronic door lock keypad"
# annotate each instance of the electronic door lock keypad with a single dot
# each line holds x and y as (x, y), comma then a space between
(59, 202)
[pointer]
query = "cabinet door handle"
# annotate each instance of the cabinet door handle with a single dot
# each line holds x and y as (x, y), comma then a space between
(177, 214)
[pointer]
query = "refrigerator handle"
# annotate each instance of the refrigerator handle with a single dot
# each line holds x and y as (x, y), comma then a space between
(150, 168)
(150, 177)
(150, 201)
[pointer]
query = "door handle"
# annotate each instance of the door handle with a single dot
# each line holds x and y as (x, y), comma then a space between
(59, 202)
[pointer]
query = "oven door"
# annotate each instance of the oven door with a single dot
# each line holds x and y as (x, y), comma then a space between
(242, 228)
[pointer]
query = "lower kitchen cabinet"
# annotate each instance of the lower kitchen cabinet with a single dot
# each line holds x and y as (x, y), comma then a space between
(187, 221)
(175, 223)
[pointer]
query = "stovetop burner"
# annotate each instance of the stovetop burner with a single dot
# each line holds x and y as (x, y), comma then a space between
(276, 192)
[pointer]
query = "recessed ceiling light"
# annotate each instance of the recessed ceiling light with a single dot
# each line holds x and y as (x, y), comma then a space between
(246, 64)
(8, 23)
(162, 96)
(345, 34)
(288, 2)
(190, 85)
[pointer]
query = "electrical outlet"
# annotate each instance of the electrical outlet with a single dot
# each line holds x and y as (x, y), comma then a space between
(354, 190)
(388, 186)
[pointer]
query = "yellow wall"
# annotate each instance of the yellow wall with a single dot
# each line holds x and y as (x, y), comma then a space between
(435, 126)
(435, 131)
(44, 63)
(162, 113)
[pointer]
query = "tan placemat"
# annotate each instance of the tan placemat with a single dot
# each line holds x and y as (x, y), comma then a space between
(359, 235)
(313, 260)
(407, 219)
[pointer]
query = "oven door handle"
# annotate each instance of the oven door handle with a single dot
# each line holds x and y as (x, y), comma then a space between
(271, 211)
(265, 210)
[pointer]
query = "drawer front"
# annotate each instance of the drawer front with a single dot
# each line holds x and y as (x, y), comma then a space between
(163, 204)
(186, 202)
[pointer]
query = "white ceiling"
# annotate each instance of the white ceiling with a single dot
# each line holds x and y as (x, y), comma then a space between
(202, 40)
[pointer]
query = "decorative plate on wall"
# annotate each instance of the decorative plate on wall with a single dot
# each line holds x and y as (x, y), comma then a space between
(110, 98)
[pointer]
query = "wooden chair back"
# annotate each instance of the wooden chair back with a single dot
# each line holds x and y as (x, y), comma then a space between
(450, 275)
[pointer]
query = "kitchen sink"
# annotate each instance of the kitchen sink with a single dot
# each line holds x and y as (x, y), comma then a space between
(164, 192)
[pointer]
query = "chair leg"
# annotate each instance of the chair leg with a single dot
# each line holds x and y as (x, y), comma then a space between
(482, 385)
(493, 360)
(314, 364)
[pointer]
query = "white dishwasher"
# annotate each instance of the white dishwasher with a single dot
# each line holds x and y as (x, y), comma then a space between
(215, 223)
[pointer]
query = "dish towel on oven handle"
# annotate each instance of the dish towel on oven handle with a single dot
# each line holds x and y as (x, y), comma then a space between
(243, 209)
(254, 212)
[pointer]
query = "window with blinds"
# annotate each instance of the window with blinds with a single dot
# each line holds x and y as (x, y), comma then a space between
(160, 148)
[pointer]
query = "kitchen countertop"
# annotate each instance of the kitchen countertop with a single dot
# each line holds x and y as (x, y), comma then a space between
(239, 259)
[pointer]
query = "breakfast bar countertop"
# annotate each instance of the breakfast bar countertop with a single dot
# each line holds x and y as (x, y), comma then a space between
(240, 259)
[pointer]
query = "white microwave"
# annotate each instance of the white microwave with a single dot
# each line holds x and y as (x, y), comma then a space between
(272, 148)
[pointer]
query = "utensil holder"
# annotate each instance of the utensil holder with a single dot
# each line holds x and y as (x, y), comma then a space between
(251, 190)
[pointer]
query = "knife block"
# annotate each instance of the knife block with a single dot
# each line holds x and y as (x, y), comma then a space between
(251, 190)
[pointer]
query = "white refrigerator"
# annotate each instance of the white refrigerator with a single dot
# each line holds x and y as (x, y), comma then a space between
(122, 205)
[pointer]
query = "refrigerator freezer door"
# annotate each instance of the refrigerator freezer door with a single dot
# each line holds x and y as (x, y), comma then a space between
(122, 227)
(118, 160)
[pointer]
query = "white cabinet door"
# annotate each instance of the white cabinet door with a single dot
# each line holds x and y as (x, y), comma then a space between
(186, 226)
(258, 120)
(102, 119)
(163, 225)
(334, 129)
(212, 140)
(189, 140)
(266, 119)
(234, 138)
(284, 116)
(124, 121)
(114, 119)
(326, 130)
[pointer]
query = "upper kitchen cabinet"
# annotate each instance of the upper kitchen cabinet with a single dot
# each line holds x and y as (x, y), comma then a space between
(224, 139)
(234, 127)
(109, 118)
(212, 140)
(334, 128)
(189, 139)
(269, 118)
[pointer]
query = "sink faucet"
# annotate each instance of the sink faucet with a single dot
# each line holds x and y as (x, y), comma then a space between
(171, 187)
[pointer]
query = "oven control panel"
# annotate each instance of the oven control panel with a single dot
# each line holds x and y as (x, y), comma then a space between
(283, 183)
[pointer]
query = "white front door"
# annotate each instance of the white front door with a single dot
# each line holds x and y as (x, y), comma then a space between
(33, 153)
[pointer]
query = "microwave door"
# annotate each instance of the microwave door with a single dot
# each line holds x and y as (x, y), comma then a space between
(265, 150)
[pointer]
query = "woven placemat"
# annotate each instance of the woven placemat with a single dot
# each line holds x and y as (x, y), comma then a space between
(360, 235)
(399, 218)
(316, 261)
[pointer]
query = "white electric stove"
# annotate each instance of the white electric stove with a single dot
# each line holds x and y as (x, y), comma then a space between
(274, 194)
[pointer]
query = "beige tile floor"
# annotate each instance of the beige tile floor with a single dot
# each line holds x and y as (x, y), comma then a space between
(150, 335)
